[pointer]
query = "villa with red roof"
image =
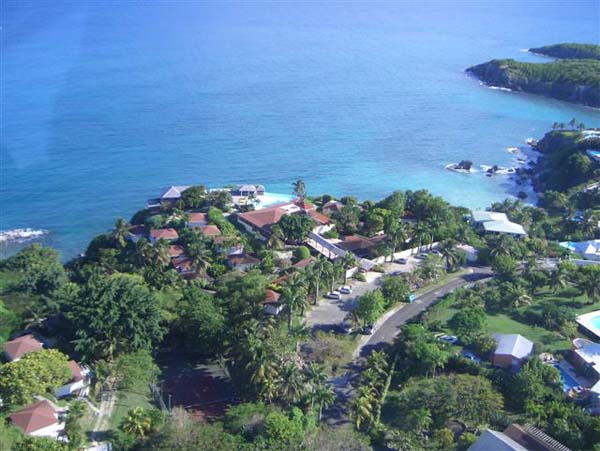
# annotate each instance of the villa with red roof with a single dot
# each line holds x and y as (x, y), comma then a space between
(210, 230)
(168, 234)
(38, 420)
(197, 220)
(79, 382)
(271, 303)
(176, 251)
(17, 348)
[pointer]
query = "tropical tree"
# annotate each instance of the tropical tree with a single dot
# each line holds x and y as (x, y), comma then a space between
(300, 189)
(450, 254)
(137, 422)
(589, 282)
(161, 253)
(276, 237)
(120, 232)
(347, 261)
(324, 396)
(292, 383)
(293, 296)
(364, 406)
(144, 252)
(518, 296)
(199, 255)
(318, 269)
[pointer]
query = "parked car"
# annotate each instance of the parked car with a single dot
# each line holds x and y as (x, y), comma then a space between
(397, 273)
(471, 356)
(346, 328)
(333, 295)
(402, 261)
(368, 329)
(421, 256)
(346, 289)
(411, 297)
(449, 339)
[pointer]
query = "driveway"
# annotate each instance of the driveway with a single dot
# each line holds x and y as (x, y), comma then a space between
(330, 313)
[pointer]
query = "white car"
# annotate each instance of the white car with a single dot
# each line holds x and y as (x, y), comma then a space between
(334, 295)
(346, 289)
(449, 339)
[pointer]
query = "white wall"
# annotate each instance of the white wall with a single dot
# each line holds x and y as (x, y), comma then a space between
(49, 431)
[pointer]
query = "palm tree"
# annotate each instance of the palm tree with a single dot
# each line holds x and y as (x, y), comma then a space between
(315, 373)
(144, 252)
(318, 269)
(348, 261)
(589, 223)
(364, 406)
(504, 246)
(276, 238)
(293, 296)
(292, 383)
(161, 252)
(519, 297)
(120, 232)
(324, 397)
(420, 419)
(590, 285)
(199, 255)
(137, 422)
(300, 189)
(450, 254)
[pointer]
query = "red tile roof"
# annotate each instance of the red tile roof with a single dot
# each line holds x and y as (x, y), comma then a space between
(319, 217)
(271, 297)
(354, 242)
(34, 417)
(244, 259)
(76, 371)
(303, 263)
(333, 205)
(210, 230)
(304, 204)
(198, 217)
(165, 234)
(264, 217)
(17, 348)
(176, 251)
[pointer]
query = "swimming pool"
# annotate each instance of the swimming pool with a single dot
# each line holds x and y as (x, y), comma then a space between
(591, 322)
(567, 380)
(269, 199)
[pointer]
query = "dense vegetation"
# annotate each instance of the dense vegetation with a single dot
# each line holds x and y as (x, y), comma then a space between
(569, 51)
(573, 80)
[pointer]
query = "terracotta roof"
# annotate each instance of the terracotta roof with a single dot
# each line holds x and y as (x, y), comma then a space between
(271, 297)
(354, 242)
(198, 217)
(304, 204)
(303, 263)
(165, 234)
(333, 205)
(176, 251)
(210, 230)
(17, 348)
(264, 217)
(34, 417)
(244, 259)
(319, 217)
(76, 371)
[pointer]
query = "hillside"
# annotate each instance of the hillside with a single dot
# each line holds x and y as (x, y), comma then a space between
(569, 51)
(571, 80)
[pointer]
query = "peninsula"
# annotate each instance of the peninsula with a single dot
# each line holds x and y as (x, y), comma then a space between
(573, 79)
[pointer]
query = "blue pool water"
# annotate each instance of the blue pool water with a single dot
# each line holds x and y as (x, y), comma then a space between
(567, 380)
(595, 321)
(106, 102)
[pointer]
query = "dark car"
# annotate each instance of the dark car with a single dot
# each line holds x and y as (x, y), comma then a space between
(368, 329)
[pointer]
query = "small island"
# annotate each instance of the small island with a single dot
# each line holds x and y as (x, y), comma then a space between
(571, 79)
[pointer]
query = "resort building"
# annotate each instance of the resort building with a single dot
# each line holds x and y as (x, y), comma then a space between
(590, 323)
(38, 420)
(498, 223)
(169, 195)
(361, 246)
(271, 304)
(249, 190)
(333, 206)
(15, 349)
(210, 230)
(511, 351)
(184, 267)
(590, 250)
(168, 234)
(176, 251)
(242, 262)
(586, 356)
(496, 441)
(197, 220)
(79, 383)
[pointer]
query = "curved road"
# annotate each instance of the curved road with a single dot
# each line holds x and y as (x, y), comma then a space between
(385, 333)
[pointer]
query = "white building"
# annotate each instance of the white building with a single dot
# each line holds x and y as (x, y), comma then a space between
(38, 420)
(79, 383)
(495, 222)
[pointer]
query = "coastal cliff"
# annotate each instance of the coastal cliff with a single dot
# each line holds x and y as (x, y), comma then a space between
(572, 80)
(569, 51)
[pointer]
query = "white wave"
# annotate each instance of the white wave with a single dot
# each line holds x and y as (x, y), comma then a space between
(21, 235)
(500, 88)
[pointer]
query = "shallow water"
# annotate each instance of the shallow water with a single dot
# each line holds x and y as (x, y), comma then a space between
(104, 103)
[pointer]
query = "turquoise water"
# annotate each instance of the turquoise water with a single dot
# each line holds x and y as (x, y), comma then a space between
(566, 379)
(596, 322)
(104, 103)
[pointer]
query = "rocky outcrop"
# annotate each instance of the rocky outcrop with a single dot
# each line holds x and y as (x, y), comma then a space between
(515, 76)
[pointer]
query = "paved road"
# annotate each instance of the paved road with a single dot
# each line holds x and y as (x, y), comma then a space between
(386, 332)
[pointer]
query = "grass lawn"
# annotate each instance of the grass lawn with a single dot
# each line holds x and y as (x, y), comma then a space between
(507, 323)
(126, 401)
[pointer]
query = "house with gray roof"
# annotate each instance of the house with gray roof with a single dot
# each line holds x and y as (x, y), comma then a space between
(496, 222)
(511, 350)
(495, 441)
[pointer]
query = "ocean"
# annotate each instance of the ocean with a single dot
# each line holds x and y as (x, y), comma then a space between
(105, 102)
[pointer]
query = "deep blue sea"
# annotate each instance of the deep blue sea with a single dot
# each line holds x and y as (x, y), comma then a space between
(105, 102)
